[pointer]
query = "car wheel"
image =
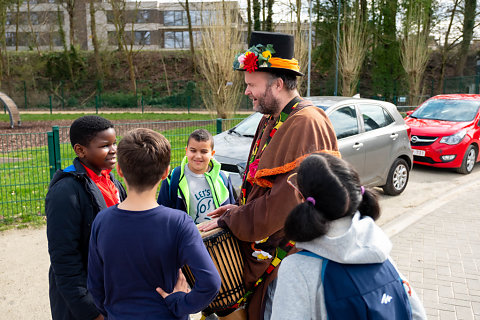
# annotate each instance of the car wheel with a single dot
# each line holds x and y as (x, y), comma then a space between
(397, 178)
(469, 160)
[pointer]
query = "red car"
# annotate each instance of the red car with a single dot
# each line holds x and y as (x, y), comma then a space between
(445, 131)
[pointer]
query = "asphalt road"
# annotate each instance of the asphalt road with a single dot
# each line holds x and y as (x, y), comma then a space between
(427, 189)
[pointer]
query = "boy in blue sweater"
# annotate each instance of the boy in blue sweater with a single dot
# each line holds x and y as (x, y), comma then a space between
(138, 247)
(197, 186)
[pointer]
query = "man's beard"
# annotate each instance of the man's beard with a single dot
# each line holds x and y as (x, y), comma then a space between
(267, 104)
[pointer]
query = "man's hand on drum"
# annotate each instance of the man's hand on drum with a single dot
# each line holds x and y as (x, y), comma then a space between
(180, 286)
(207, 226)
(217, 213)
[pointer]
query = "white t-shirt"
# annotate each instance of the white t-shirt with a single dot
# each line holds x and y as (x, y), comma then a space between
(201, 198)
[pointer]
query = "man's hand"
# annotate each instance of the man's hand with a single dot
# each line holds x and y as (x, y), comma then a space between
(221, 210)
(100, 317)
(207, 226)
(181, 286)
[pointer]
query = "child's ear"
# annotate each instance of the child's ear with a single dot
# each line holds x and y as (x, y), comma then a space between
(165, 174)
(79, 150)
(119, 171)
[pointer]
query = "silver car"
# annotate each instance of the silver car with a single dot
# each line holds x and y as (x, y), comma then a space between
(371, 135)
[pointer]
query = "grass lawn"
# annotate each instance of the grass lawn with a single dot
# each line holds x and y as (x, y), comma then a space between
(25, 174)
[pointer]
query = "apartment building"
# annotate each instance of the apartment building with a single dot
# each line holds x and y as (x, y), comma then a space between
(148, 25)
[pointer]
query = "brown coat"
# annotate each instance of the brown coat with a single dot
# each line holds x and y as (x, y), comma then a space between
(306, 130)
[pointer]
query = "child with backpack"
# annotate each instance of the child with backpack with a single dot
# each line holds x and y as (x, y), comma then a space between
(343, 270)
(197, 186)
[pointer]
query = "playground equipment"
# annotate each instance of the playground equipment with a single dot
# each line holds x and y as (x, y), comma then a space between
(12, 110)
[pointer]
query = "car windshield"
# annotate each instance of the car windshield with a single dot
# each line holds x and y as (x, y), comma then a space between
(248, 126)
(447, 110)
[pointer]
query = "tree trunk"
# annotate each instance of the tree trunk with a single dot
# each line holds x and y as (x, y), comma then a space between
(249, 19)
(190, 34)
(299, 19)
(96, 49)
(71, 13)
(263, 14)
(445, 49)
(17, 22)
(256, 15)
(468, 24)
(269, 21)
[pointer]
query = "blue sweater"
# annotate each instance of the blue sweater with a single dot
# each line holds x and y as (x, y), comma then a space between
(133, 252)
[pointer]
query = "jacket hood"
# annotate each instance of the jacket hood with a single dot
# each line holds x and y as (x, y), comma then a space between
(356, 240)
(75, 169)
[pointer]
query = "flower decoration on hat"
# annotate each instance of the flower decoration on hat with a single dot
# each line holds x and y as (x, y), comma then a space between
(254, 58)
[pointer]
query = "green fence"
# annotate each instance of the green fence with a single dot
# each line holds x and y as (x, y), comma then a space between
(28, 161)
(51, 95)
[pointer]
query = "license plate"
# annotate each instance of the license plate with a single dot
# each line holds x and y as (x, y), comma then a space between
(417, 152)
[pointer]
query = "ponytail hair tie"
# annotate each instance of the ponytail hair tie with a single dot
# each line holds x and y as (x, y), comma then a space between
(311, 200)
(362, 190)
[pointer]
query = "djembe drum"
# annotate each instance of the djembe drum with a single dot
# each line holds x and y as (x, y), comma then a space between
(225, 253)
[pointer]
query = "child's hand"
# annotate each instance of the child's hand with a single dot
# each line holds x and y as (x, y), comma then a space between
(221, 210)
(181, 286)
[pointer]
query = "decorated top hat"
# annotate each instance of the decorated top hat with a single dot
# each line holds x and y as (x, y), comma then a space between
(268, 52)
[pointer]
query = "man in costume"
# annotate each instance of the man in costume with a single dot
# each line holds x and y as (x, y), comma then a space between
(290, 129)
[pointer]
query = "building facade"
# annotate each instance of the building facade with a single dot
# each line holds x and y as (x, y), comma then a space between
(147, 25)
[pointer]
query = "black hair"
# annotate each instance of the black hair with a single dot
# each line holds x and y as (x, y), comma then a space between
(84, 129)
(201, 135)
(336, 190)
(289, 80)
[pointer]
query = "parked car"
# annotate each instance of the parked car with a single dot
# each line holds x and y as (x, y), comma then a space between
(371, 134)
(445, 131)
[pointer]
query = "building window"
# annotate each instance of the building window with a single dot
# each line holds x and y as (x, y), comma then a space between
(180, 39)
(175, 18)
(143, 16)
(143, 38)
(34, 18)
(10, 39)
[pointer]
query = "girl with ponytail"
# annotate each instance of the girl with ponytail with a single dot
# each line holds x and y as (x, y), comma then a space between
(341, 247)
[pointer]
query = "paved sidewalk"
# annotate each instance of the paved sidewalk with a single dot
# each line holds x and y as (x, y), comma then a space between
(440, 255)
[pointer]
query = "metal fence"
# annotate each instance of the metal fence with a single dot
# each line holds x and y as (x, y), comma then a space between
(28, 161)
(51, 95)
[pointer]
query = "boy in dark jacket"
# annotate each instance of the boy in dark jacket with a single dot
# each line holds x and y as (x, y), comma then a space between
(138, 247)
(74, 198)
(197, 186)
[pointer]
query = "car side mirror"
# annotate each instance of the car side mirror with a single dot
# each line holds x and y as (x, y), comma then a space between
(409, 112)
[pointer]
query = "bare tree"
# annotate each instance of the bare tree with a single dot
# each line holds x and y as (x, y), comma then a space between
(125, 42)
(221, 85)
(301, 54)
(415, 53)
(4, 6)
(469, 13)
(447, 46)
(353, 48)
(96, 46)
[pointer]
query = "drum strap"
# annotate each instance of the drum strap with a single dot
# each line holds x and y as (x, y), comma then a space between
(280, 254)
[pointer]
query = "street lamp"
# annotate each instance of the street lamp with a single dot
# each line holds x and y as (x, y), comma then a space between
(338, 48)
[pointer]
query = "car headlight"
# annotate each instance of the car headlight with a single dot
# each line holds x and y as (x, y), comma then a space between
(454, 138)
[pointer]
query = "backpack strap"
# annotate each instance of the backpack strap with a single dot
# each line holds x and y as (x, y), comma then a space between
(174, 181)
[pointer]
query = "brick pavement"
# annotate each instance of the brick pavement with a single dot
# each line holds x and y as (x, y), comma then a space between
(440, 255)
